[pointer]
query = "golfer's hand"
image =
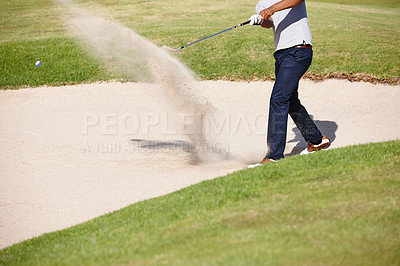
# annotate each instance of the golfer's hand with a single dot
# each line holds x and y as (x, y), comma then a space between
(267, 13)
(255, 20)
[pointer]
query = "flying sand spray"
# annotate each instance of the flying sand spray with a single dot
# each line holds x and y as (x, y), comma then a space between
(122, 49)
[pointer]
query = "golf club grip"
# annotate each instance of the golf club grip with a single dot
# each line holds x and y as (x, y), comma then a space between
(245, 23)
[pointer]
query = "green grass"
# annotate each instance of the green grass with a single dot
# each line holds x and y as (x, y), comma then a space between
(32, 31)
(377, 3)
(27, 20)
(351, 38)
(62, 63)
(339, 207)
(348, 40)
(356, 43)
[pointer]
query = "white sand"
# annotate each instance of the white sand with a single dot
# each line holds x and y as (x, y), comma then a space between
(69, 154)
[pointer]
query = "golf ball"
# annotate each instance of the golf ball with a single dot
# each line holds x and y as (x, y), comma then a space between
(38, 63)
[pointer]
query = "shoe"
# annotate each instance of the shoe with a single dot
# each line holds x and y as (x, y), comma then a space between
(266, 160)
(325, 143)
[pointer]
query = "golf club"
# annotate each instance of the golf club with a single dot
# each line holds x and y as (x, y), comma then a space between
(234, 27)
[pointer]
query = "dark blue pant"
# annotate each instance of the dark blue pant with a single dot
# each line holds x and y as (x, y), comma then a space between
(290, 66)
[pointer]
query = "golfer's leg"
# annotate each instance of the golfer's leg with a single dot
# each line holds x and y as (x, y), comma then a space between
(293, 64)
(303, 121)
(277, 123)
(279, 109)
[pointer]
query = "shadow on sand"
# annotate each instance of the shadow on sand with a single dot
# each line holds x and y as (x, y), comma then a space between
(328, 128)
(198, 154)
(157, 145)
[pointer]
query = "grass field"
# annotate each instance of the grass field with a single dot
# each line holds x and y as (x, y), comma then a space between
(339, 207)
(357, 39)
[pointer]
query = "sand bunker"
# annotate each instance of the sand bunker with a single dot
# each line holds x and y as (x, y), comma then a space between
(72, 153)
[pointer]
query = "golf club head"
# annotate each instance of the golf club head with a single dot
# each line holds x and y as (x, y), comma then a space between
(166, 48)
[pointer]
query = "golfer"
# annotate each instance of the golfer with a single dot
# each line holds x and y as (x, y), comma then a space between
(293, 55)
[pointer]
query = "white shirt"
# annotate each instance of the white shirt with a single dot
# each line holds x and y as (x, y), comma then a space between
(290, 26)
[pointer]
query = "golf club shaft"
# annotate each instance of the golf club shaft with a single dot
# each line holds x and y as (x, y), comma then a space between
(234, 27)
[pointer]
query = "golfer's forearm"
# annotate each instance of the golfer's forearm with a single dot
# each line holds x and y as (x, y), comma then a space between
(285, 4)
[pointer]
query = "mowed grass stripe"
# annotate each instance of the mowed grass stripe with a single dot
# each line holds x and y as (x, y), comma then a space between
(333, 207)
(351, 42)
(26, 20)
